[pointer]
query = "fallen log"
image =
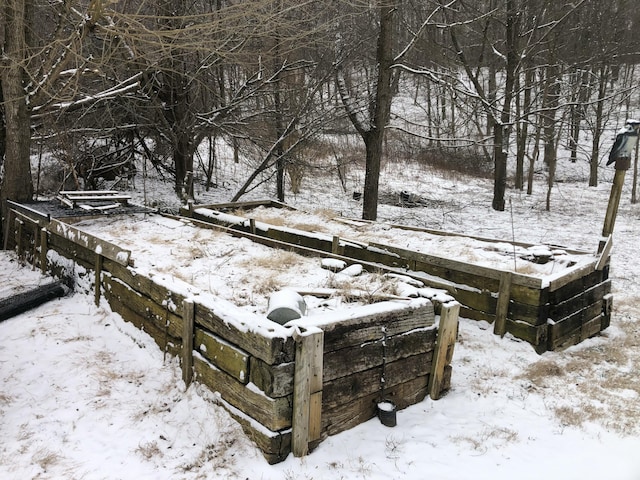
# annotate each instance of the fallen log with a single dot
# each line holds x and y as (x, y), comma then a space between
(22, 302)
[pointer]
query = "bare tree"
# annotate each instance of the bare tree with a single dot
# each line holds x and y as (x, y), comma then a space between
(16, 181)
(370, 122)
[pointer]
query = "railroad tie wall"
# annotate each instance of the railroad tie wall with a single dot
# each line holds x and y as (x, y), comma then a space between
(549, 313)
(288, 387)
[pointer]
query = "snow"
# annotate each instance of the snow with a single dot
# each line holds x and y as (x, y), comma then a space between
(85, 395)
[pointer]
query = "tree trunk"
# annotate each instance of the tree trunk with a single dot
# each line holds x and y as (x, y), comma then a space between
(17, 183)
(603, 78)
(523, 129)
(280, 160)
(500, 130)
(375, 136)
(500, 162)
(549, 106)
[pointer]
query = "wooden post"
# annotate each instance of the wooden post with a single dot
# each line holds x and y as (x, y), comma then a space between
(44, 247)
(335, 245)
(502, 309)
(252, 226)
(622, 165)
(34, 252)
(19, 226)
(445, 342)
(99, 261)
(188, 318)
(307, 389)
(8, 229)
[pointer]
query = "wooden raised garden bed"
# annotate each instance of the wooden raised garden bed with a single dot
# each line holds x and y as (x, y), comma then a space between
(289, 386)
(554, 298)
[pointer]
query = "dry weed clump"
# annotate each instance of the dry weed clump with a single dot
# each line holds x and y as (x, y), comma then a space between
(45, 458)
(149, 450)
(278, 261)
(539, 373)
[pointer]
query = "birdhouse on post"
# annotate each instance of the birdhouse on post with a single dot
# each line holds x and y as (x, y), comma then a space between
(626, 141)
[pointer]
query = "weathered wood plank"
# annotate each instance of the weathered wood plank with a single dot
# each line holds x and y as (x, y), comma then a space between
(160, 294)
(590, 328)
(307, 383)
(44, 248)
(604, 253)
(529, 295)
(607, 309)
(248, 205)
(272, 350)
(274, 414)
(481, 238)
(340, 363)
(91, 242)
(577, 286)
(275, 446)
(223, 355)
(274, 380)
(156, 314)
(457, 267)
(80, 255)
(349, 415)
(445, 343)
(577, 303)
(347, 389)
(575, 273)
(98, 279)
(502, 308)
(167, 343)
(572, 322)
(536, 335)
(361, 326)
(188, 318)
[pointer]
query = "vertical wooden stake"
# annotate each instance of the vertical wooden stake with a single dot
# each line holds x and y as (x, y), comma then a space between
(502, 308)
(98, 281)
(188, 320)
(9, 222)
(19, 226)
(34, 252)
(44, 247)
(335, 245)
(307, 389)
(445, 342)
(252, 226)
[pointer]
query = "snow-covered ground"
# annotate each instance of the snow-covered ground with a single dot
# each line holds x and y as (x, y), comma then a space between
(84, 395)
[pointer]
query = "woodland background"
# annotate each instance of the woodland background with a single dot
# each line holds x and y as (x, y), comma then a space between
(102, 89)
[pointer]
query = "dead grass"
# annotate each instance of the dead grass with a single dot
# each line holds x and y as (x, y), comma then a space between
(278, 261)
(595, 382)
(495, 437)
(538, 373)
(267, 285)
(149, 450)
(45, 458)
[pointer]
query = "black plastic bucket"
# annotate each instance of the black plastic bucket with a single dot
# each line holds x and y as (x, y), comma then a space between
(387, 413)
